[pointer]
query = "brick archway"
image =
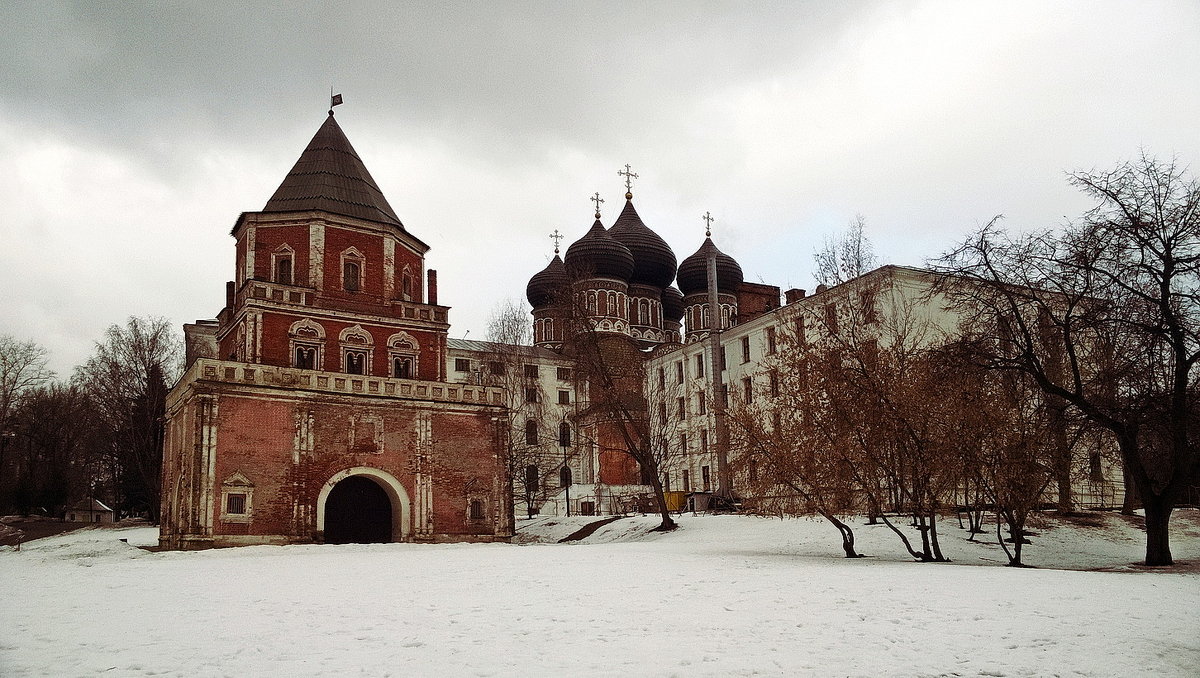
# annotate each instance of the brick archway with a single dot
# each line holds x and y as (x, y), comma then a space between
(400, 505)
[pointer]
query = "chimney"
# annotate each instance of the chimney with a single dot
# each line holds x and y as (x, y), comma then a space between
(793, 295)
(431, 286)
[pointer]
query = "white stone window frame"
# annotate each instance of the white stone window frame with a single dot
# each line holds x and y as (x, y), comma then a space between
(307, 333)
(282, 252)
(408, 283)
(403, 346)
(234, 485)
(357, 340)
(352, 254)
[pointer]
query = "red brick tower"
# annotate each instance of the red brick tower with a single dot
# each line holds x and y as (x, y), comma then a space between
(315, 407)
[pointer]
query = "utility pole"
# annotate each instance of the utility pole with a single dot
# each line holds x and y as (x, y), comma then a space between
(716, 380)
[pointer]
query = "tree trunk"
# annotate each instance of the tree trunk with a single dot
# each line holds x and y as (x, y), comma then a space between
(1158, 542)
(846, 532)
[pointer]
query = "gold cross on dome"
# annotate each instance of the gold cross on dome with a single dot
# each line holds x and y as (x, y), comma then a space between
(598, 200)
(629, 177)
(708, 219)
(556, 236)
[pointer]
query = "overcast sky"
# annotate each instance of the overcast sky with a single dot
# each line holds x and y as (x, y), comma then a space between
(133, 134)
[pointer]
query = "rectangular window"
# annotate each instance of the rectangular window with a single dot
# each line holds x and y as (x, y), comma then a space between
(703, 441)
(531, 394)
(801, 337)
(283, 270)
(748, 390)
(564, 435)
(771, 341)
(682, 407)
(705, 478)
(476, 509)
(497, 368)
(868, 306)
(687, 480)
(831, 318)
(774, 377)
(666, 482)
(531, 432)
(462, 364)
(699, 364)
(531, 371)
(564, 374)
(235, 504)
(351, 273)
(701, 404)
(683, 443)
(679, 370)
(662, 378)
(564, 397)
(662, 414)
(745, 349)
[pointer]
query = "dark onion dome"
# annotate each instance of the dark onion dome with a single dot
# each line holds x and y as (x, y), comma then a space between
(547, 283)
(693, 272)
(653, 260)
(672, 304)
(598, 254)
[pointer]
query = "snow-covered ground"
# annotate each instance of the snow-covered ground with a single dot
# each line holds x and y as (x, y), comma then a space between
(724, 595)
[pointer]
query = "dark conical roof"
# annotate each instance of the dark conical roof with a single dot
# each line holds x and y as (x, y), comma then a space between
(598, 253)
(329, 176)
(546, 283)
(653, 260)
(693, 272)
(672, 304)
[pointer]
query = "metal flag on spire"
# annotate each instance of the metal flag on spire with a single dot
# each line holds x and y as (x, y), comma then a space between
(334, 100)
(556, 236)
(598, 200)
(629, 177)
(708, 219)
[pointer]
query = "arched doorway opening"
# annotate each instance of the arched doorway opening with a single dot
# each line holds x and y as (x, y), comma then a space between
(362, 505)
(358, 511)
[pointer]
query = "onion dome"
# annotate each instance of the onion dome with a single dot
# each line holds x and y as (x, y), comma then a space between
(598, 254)
(547, 283)
(653, 260)
(672, 304)
(693, 272)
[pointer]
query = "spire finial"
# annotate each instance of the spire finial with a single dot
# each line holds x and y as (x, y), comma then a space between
(629, 177)
(556, 236)
(598, 200)
(334, 100)
(708, 219)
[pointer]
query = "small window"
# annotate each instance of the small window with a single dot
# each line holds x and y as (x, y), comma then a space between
(748, 390)
(564, 435)
(235, 504)
(662, 378)
(683, 443)
(531, 395)
(531, 479)
(831, 318)
(687, 480)
(564, 374)
(406, 286)
(402, 368)
(771, 341)
(703, 441)
(682, 407)
(705, 478)
(476, 509)
(306, 357)
(283, 270)
(351, 276)
(699, 364)
(564, 397)
(801, 337)
(497, 368)
(679, 371)
(745, 349)
(868, 306)
(701, 404)
(666, 482)
(531, 432)
(774, 381)
(662, 414)
(531, 371)
(462, 364)
(356, 362)
(564, 476)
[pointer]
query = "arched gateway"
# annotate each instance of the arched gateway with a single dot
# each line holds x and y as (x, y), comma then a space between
(363, 505)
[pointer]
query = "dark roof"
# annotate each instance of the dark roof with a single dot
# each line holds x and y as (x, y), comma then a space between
(546, 284)
(329, 176)
(598, 253)
(653, 260)
(672, 304)
(693, 272)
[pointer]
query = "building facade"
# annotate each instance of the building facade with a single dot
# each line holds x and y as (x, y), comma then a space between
(317, 407)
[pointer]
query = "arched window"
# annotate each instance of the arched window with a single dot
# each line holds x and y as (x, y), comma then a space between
(281, 265)
(356, 350)
(356, 362)
(306, 338)
(531, 432)
(564, 435)
(353, 263)
(531, 479)
(403, 351)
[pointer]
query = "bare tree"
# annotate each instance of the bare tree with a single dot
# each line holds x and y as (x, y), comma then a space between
(846, 256)
(22, 369)
(1103, 315)
(127, 380)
